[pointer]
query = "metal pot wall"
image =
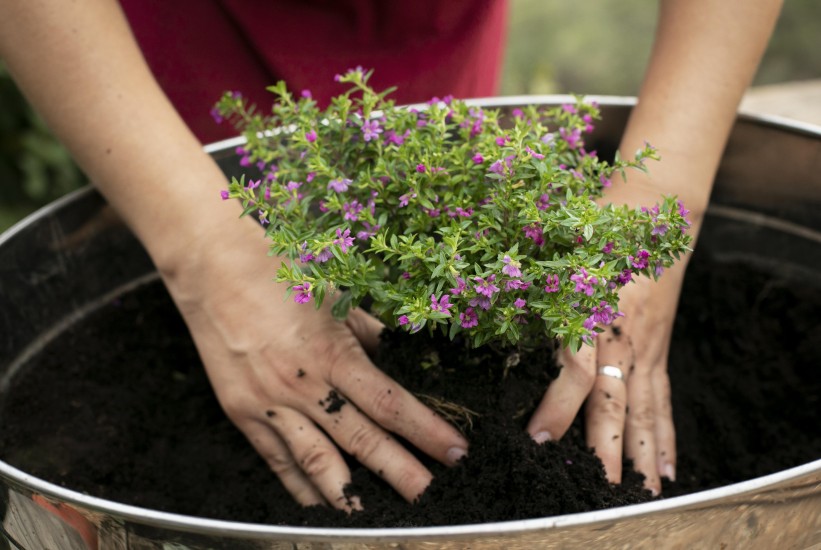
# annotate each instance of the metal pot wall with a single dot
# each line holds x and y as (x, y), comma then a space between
(75, 254)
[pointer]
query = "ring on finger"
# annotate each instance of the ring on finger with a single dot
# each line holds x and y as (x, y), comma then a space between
(611, 371)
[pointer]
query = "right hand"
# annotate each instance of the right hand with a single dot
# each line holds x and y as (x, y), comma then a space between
(273, 362)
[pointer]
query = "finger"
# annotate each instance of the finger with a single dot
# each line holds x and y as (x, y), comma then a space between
(366, 328)
(315, 455)
(606, 405)
(640, 428)
(273, 450)
(375, 449)
(391, 406)
(604, 423)
(665, 429)
(565, 395)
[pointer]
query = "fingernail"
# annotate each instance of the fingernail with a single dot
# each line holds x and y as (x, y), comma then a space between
(654, 492)
(455, 454)
(669, 472)
(541, 437)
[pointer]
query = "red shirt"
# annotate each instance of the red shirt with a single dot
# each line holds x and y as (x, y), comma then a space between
(199, 49)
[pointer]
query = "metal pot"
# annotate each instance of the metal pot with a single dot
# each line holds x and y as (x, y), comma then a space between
(75, 254)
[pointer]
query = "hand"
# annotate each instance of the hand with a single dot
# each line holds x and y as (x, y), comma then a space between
(633, 415)
(275, 364)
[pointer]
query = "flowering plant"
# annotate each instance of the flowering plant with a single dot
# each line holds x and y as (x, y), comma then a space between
(446, 215)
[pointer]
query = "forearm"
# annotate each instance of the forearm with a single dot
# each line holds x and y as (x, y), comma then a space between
(704, 56)
(78, 64)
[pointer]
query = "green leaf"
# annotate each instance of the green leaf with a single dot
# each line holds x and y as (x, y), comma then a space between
(342, 306)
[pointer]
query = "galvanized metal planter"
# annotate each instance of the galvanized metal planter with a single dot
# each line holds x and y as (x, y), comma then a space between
(70, 257)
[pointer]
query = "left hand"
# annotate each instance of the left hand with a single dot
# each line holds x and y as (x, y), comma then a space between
(633, 415)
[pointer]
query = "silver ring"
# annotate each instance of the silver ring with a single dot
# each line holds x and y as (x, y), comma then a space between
(611, 371)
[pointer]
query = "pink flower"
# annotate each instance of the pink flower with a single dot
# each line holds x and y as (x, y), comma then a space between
(371, 129)
(441, 305)
(584, 282)
(543, 202)
(403, 200)
(480, 301)
(516, 284)
(339, 185)
(352, 210)
(324, 256)
(552, 283)
(534, 154)
(511, 267)
(459, 288)
(608, 248)
(640, 261)
(468, 319)
(421, 168)
(478, 158)
(343, 239)
(303, 293)
(306, 94)
(519, 303)
(403, 320)
(305, 255)
(486, 287)
(534, 232)
(224, 194)
(310, 136)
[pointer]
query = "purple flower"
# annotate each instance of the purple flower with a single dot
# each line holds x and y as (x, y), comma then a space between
(517, 113)
(421, 168)
(519, 303)
(368, 232)
(371, 129)
(501, 140)
(552, 283)
(306, 94)
(303, 293)
(293, 185)
(516, 284)
(511, 267)
(534, 232)
(572, 138)
(640, 261)
(459, 288)
(392, 137)
(468, 319)
(478, 158)
(624, 277)
(352, 210)
(343, 239)
(324, 256)
(252, 184)
(608, 248)
(497, 168)
(486, 287)
(224, 194)
(310, 136)
(568, 108)
(659, 229)
(441, 305)
(403, 200)
(480, 301)
(543, 202)
(605, 181)
(263, 218)
(584, 282)
(339, 185)
(215, 114)
(403, 320)
(305, 255)
(534, 154)
(603, 313)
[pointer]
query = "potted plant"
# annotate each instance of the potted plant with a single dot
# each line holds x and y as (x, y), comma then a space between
(169, 387)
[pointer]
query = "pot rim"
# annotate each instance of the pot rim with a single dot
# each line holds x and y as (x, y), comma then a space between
(28, 484)
(201, 525)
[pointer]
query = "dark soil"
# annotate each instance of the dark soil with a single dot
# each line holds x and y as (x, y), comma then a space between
(119, 407)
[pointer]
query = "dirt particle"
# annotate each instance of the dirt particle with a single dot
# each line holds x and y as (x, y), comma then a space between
(617, 331)
(627, 409)
(615, 437)
(270, 414)
(607, 395)
(333, 403)
(641, 442)
(300, 373)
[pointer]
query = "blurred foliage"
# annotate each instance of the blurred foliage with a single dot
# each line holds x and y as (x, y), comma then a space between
(602, 47)
(34, 168)
(595, 47)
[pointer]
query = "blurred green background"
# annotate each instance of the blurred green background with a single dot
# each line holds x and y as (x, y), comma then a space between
(554, 46)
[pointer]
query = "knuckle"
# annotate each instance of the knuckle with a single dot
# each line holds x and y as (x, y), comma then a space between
(410, 483)
(610, 408)
(364, 441)
(583, 374)
(641, 417)
(316, 461)
(384, 405)
(283, 465)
